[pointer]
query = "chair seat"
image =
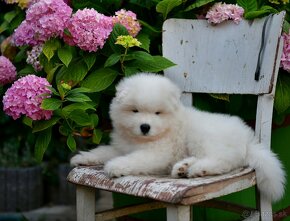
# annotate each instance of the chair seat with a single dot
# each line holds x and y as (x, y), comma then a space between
(163, 188)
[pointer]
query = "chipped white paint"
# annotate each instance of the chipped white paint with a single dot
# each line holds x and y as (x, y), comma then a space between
(85, 204)
(178, 213)
(221, 58)
(161, 188)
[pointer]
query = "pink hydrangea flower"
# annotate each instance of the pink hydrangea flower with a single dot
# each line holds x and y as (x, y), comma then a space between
(129, 20)
(7, 71)
(220, 12)
(44, 19)
(88, 29)
(285, 59)
(25, 97)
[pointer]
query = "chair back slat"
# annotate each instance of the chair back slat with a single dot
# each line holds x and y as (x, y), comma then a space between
(223, 58)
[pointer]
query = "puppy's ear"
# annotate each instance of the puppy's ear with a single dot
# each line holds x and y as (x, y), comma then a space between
(121, 91)
(175, 95)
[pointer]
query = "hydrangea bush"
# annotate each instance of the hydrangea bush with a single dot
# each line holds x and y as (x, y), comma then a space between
(70, 54)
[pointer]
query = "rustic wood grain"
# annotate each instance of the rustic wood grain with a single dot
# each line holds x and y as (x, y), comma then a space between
(164, 189)
(221, 58)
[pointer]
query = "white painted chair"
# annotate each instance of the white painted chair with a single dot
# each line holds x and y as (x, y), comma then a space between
(226, 58)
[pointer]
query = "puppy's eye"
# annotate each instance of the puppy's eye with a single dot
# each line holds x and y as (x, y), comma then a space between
(135, 111)
(157, 112)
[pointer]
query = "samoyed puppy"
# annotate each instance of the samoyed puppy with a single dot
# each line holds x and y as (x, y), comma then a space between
(154, 133)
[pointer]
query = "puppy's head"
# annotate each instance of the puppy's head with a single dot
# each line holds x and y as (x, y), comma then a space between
(145, 106)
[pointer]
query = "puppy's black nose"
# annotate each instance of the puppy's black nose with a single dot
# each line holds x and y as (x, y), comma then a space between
(145, 128)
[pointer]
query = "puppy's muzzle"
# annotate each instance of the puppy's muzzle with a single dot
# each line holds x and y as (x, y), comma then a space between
(144, 128)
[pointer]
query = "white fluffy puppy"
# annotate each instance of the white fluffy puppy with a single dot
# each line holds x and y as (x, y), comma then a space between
(153, 133)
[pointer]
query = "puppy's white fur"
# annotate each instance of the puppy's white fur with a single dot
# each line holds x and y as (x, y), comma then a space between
(182, 141)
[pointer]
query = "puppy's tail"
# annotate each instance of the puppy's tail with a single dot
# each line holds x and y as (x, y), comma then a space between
(269, 171)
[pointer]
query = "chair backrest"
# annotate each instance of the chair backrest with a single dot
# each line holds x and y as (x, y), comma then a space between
(224, 58)
(227, 58)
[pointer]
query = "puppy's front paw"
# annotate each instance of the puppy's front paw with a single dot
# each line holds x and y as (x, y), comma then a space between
(116, 168)
(85, 158)
(77, 160)
(180, 170)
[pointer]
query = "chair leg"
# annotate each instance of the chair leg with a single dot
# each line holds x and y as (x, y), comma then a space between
(179, 213)
(86, 203)
(265, 209)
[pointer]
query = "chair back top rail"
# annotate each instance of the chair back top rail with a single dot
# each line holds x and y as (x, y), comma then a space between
(223, 58)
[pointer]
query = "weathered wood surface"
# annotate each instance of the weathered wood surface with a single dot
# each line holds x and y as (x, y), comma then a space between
(222, 58)
(166, 189)
(179, 213)
(86, 203)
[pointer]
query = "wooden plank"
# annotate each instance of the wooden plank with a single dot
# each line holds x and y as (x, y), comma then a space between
(228, 206)
(210, 61)
(186, 99)
(179, 213)
(119, 212)
(159, 188)
(86, 203)
(210, 191)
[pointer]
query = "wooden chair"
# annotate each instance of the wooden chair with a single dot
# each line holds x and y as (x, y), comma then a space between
(226, 58)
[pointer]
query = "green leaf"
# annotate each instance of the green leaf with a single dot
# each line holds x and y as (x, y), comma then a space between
(51, 104)
(197, 4)
(44, 124)
(255, 14)
(50, 47)
(94, 119)
(53, 90)
(113, 59)
(50, 68)
(21, 55)
(165, 6)
(80, 117)
(64, 130)
(75, 72)
(282, 97)
(9, 16)
(97, 136)
(27, 121)
(65, 55)
(77, 106)
(117, 31)
(4, 26)
(145, 41)
(158, 63)
(79, 90)
(263, 11)
(28, 69)
(150, 27)
(248, 5)
(286, 26)
(41, 144)
(71, 143)
(100, 79)
(130, 71)
(78, 97)
(90, 59)
(139, 55)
